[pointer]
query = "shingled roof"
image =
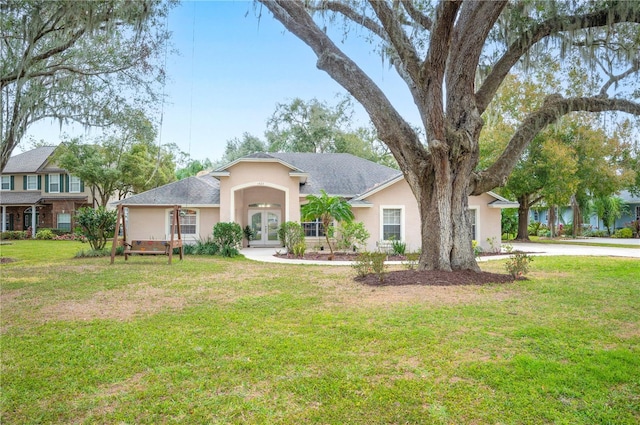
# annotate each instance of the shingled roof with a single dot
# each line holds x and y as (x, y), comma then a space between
(337, 173)
(198, 190)
(29, 162)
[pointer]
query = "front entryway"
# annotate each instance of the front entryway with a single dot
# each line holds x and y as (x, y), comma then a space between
(264, 224)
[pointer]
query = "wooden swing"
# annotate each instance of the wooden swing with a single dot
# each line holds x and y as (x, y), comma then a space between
(148, 247)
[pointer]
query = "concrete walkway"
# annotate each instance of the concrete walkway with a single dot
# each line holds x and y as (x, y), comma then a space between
(569, 248)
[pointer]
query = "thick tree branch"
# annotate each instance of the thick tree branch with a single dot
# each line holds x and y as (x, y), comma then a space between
(352, 15)
(419, 18)
(397, 38)
(618, 12)
(472, 27)
(392, 128)
(553, 108)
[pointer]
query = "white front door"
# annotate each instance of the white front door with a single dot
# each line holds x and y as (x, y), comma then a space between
(264, 224)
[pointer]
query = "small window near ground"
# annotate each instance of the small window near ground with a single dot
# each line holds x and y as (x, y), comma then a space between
(74, 184)
(391, 224)
(64, 221)
(188, 220)
(5, 183)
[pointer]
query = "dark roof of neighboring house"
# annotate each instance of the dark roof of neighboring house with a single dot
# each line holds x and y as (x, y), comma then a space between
(198, 190)
(20, 198)
(29, 162)
(337, 173)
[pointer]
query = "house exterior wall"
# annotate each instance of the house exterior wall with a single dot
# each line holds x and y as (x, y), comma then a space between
(488, 222)
(152, 223)
(396, 196)
(246, 175)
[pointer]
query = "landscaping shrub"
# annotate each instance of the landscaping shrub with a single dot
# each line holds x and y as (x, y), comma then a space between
(595, 233)
(398, 247)
(290, 234)
(70, 237)
(351, 235)
(370, 262)
(477, 249)
(635, 228)
(13, 235)
(94, 253)
(411, 260)
(625, 233)
(205, 247)
(533, 228)
(228, 237)
(97, 225)
(299, 249)
(44, 234)
(518, 264)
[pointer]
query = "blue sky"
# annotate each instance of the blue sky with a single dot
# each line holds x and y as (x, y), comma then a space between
(240, 68)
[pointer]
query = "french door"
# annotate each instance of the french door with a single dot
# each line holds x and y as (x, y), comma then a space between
(264, 224)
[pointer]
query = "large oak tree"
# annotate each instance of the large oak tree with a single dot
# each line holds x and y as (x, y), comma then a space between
(453, 56)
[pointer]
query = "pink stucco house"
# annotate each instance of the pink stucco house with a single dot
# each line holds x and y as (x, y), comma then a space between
(264, 190)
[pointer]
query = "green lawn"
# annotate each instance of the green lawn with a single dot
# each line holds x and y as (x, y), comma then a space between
(212, 340)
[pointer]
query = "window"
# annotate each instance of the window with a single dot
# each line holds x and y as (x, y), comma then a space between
(392, 224)
(5, 183)
(64, 221)
(74, 184)
(313, 229)
(188, 222)
(54, 183)
(638, 212)
(471, 214)
(32, 183)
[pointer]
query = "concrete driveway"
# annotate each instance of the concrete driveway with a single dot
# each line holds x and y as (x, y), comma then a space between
(569, 247)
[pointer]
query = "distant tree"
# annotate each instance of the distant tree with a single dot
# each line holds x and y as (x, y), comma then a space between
(328, 209)
(237, 148)
(80, 61)
(193, 167)
(123, 161)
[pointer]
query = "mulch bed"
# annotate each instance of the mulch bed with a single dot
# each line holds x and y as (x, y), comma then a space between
(414, 277)
(434, 278)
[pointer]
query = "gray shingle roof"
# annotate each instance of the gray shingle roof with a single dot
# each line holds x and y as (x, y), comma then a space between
(30, 161)
(199, 190)
(337, 173)
(20, 198)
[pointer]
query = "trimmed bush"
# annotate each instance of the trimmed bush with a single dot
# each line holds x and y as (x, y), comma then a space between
(13, 235)
(625, 233)
(44, 234)
(291, 234)
(228, 237)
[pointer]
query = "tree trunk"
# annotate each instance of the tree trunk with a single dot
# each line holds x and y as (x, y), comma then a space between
(577, 216)
(552, 221)
(446, 232)
(523, 218)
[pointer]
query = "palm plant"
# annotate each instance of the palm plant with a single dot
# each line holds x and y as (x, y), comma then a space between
(608, 209)
(328, 209)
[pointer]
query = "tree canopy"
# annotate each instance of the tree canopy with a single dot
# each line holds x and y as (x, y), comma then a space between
(454, 56)
(82, 61)
(123, 161)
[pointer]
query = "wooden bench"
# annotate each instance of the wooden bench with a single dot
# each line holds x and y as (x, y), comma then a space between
(151, 247)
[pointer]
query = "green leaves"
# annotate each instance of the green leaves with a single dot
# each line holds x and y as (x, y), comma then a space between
(327, 209)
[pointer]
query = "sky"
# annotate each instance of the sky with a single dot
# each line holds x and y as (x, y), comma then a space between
(232, 69)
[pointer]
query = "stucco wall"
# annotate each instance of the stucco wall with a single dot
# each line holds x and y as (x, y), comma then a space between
(152, 223)
(245, 175)
(488, 222)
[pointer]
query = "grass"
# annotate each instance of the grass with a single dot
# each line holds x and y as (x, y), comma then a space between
(211, 340)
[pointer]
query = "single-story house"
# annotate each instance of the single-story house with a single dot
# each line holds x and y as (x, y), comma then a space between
(263, 190)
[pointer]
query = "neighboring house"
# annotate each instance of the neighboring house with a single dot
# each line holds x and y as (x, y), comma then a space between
(30, 183)
(264, 190)
(541, 214)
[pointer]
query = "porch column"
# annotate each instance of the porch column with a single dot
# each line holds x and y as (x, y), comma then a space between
(4, 218)
(33, 221)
